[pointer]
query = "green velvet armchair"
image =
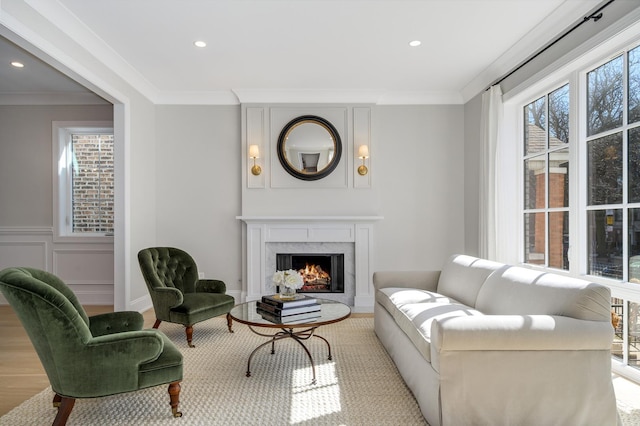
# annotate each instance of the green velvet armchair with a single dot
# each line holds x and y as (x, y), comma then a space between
(88, 357)
(177, 294)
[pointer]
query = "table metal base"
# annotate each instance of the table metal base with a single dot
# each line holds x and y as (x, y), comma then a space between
(298, 336)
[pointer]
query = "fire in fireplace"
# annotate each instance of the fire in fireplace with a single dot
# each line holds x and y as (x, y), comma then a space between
(322, 273)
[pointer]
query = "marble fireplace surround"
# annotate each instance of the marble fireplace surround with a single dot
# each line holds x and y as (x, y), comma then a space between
(265, 235)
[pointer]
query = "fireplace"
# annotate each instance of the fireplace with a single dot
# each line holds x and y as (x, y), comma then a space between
(352, 236)
(322, 273)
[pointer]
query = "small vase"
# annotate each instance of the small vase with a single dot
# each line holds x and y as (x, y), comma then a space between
(287, 293)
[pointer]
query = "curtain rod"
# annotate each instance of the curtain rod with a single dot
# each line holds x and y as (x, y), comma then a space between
(595, 16)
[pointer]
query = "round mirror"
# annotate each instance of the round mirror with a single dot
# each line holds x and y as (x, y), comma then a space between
(309, 147)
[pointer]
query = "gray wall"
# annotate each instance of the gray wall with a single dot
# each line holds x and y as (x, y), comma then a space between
(418, 186)
(472, 113)
(198, 186)
(26, 159)
(420, 179)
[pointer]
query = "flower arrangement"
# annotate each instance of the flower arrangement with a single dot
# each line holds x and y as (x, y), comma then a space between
(290, 279)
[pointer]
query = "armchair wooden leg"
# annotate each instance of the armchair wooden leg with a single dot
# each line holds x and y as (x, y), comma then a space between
(157, 323)
(64, 410)
(174, 396)
(57, 399)
(189, 331)
(229, 323)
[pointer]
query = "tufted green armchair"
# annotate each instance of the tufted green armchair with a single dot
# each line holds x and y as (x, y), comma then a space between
(88, 357)
(177, 294)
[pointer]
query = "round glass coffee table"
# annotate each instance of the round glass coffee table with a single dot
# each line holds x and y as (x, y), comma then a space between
(298, 330)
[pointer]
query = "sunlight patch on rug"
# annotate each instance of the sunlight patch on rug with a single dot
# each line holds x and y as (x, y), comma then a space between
(310, 402)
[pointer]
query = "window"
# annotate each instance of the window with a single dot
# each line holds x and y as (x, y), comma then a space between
(546, 180)
(84, 171)
(613, 168)
(605, 164)
(593, 124)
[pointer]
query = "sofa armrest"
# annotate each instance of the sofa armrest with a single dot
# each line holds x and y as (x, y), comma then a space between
(552, 358)
(519, 333)
(424, 280)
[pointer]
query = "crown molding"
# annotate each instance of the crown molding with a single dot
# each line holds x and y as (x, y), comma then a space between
(420, 97)
(213, 97)
(250, 96)
(55, 98)
(563, 17)
(60, 17)
(24, 36)
(379, 97)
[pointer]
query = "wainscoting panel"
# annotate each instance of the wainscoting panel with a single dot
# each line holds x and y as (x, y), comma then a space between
(23, 253)
(87, 270)
(86, 267)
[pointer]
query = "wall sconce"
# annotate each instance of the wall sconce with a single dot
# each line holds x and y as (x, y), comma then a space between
(254, 152)
(363, 152)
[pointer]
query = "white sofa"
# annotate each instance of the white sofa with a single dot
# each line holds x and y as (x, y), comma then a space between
(483, 343)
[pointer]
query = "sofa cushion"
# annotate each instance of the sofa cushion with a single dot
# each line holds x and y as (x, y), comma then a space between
(462, 276)
(415, 310)
(522, 291)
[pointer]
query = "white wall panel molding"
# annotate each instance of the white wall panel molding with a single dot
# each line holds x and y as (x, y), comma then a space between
(86, 268)
(254, 134)
(24, 253)
(362, 136)
(280, 116)
(26, 230)
(262, 124)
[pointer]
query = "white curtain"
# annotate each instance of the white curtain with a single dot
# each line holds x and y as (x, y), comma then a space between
(492, 112)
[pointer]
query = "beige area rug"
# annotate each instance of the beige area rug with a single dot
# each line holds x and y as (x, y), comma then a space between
(360, 386)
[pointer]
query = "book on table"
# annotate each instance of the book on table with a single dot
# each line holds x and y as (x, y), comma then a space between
(288, 310)
(298, 300)
(289, 319)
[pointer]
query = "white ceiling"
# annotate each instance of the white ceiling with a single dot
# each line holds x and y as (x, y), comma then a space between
(261, 49)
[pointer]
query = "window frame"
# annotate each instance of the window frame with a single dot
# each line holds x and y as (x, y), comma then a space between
(575, 73)
(547, 210)
(62, 182)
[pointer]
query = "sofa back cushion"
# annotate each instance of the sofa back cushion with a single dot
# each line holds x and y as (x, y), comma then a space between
(462, 276)
(521, 291)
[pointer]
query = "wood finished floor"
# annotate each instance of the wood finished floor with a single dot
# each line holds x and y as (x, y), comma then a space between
(21, 373)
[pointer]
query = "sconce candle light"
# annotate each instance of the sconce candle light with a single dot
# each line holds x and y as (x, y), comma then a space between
(363, 152)
(254, 152)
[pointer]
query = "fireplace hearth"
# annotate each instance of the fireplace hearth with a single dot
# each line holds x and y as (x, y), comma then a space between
(322, 273)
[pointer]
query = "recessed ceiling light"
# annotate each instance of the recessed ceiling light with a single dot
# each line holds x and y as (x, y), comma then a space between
(415, 43)
(199, 43)
(17, 64)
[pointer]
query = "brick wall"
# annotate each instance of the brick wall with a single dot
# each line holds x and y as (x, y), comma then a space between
(92, 185)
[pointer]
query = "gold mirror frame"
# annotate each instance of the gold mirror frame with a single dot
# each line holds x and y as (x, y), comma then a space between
(303, 151)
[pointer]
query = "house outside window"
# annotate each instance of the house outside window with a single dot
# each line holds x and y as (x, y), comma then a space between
(546, 179)
(84, 172)
(589, 227)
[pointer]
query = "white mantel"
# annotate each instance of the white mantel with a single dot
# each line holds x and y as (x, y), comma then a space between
(261, 230)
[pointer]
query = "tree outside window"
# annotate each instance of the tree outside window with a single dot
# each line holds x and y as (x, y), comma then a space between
(546, 180)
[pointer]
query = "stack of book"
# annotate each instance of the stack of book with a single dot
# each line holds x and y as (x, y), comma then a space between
(300, 309)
